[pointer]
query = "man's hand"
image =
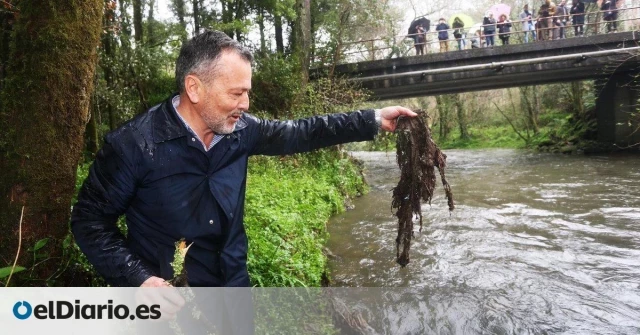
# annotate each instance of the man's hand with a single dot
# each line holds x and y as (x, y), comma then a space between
(155, 282)
(389, 116)
(162, 294)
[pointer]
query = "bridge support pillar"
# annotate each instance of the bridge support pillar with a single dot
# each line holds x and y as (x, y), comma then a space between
(617, 109)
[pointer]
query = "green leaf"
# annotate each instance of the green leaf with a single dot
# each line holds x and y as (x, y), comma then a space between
(40, 244)
(6, 271)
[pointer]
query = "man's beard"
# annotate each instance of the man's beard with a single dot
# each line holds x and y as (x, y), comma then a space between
(218, 124)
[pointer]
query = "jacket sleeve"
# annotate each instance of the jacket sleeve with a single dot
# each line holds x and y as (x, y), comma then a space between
(269, 137)
(105, 195)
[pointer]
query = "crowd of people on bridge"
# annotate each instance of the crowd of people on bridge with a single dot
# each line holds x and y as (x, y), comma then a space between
(549, 22)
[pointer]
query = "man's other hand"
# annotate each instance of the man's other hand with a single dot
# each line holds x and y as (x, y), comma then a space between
(155, 282)
(389, 116)
(164, 294)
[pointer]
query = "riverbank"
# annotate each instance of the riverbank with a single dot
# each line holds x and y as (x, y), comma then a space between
(559, 137)
(289, 201)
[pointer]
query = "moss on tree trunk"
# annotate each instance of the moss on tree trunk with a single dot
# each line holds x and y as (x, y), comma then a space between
(46, 98)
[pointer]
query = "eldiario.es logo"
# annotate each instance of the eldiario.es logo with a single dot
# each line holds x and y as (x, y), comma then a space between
(22, 310)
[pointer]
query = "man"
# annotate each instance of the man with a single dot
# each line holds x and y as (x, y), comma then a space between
(527, 24)
(443, 34)
(179, 171)
(577, 12)
(562, 12)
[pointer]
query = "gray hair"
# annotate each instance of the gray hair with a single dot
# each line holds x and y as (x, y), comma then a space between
(203, 50)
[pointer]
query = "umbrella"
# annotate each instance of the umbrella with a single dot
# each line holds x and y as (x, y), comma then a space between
(423, 21)
(467, 21)
(500, 9)
(475, 27)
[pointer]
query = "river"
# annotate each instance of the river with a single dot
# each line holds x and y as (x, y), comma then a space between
(538, 243)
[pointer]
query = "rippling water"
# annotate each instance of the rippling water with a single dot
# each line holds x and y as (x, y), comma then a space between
(538, 243)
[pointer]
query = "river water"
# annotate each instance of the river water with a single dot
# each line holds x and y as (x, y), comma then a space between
(538, 243)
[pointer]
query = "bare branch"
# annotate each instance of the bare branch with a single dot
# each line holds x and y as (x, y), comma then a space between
(510, 123)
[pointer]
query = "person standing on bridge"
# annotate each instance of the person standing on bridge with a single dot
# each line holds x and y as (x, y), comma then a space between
(553, 24)
(544, 21)
(610, 15)
(577, 16)
(562, 13)
(419, 40)
(458, 32)
(527, 24)
(504, 29)
(179, 171)
(443, 34)
(489, 24)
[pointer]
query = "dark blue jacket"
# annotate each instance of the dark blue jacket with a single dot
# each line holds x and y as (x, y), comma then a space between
(443, 31)
(154, 171)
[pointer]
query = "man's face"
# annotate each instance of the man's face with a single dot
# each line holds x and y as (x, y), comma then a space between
(226, 96)
(562, 3)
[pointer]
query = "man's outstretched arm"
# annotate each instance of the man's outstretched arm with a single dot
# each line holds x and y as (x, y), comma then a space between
(288, 137)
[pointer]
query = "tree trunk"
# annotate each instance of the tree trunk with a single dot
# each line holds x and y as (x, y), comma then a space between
(150, 23)
(125, 36)
(6, 22)
(534, 112)
(196, 17)
(442, 102)
(47, 94)
(108, 46)
(462, 118)
(227, 14)
(302, 32)
(263, 41)
(279, 37)
(137, 21)
(577, 104)
(337, 51)
(239, 16)
(180, 11)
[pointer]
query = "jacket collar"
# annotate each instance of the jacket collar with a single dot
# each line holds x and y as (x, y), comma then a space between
(167, 125)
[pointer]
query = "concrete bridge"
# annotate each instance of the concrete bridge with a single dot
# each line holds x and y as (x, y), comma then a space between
(611, 59)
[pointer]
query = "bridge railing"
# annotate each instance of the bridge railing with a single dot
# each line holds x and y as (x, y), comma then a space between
(625, 19)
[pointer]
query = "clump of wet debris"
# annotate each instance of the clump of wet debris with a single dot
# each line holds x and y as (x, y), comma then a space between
(417, 156)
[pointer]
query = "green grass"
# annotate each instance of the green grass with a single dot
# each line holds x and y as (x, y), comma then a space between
(486, 137)
(288, 204)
